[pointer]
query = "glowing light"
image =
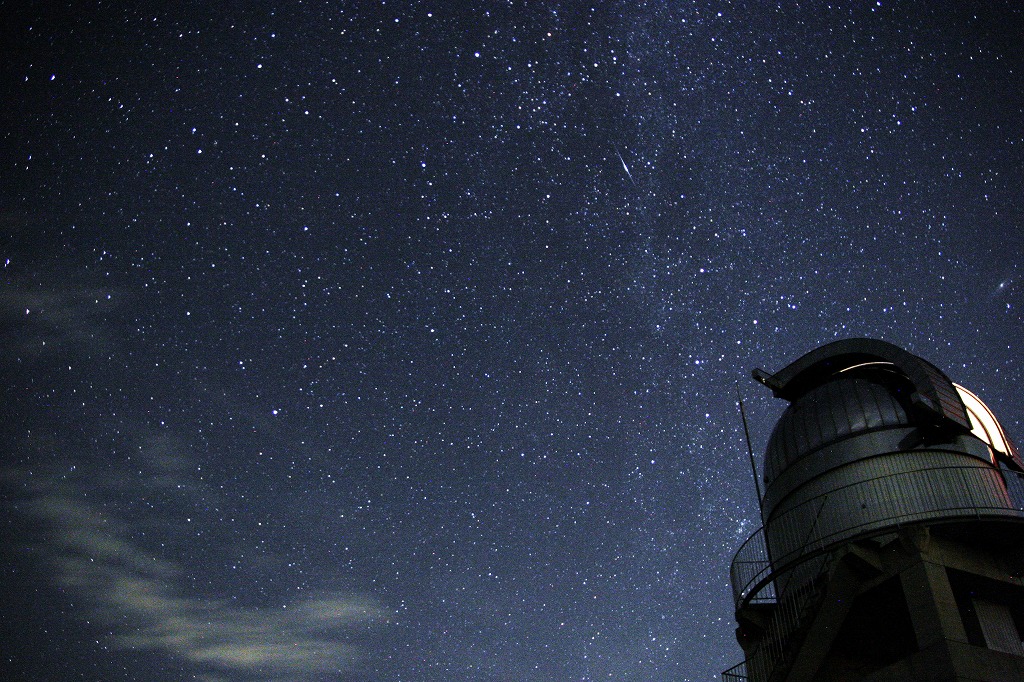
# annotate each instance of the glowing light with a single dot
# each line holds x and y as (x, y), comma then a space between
(984, 424)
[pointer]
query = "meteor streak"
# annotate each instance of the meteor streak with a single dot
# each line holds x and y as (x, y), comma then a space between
(624, 166)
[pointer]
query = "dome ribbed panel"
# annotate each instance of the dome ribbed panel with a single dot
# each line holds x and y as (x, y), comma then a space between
(840, 408)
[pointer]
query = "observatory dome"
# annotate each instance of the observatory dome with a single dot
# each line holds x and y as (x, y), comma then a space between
(847, 403)
(874, 437)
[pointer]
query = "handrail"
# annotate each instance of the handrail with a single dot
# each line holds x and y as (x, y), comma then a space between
(753, 573)
(737, 673)
(938, 495)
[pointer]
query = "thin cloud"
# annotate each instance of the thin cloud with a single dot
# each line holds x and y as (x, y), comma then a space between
(41, 324)
(146, 601)
(107, 531)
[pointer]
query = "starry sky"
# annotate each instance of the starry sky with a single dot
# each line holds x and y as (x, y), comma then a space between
(401, 341)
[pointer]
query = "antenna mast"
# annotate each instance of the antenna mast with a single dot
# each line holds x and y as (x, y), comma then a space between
(750, 450)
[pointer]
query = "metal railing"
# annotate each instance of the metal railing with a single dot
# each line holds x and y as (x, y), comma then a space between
(790, 614)
(737, 673)
(867, 507)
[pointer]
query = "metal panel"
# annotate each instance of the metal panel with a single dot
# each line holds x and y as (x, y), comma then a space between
(828, 413)
(998, 627)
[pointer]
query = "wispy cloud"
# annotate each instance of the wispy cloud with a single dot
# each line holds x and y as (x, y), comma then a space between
(111, 516)
(149, 605)
(42, 323)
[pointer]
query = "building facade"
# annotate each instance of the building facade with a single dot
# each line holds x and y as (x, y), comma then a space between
(893, 537)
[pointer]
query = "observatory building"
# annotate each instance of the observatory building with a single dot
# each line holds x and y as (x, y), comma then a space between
(893, 538)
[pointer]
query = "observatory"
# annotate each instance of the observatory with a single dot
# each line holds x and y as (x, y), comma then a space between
(893, 537)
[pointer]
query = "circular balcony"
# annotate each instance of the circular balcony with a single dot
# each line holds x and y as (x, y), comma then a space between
(869, 507)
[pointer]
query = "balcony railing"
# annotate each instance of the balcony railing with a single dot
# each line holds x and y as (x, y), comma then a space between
(938, 493)
(737, 673)
(871, 506)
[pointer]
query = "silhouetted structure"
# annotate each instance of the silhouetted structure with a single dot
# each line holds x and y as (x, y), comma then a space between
(893, 546)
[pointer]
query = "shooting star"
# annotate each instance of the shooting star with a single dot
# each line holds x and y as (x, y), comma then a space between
(624, 166)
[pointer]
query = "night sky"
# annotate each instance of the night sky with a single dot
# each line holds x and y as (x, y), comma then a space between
(401, 341)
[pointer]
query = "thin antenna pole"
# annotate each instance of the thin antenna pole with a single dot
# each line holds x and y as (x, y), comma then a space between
(750, 451)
